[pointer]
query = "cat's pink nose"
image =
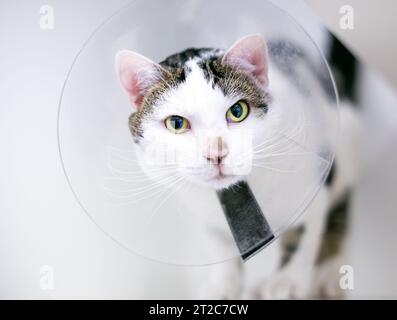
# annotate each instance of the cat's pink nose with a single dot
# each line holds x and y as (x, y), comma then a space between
(216, 151)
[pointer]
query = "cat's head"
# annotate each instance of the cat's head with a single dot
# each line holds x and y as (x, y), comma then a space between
(199, 113)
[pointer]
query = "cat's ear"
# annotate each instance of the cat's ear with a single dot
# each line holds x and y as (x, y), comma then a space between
(250, 55)
(137, 74)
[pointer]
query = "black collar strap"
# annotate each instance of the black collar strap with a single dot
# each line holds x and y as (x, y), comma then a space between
(249, 227)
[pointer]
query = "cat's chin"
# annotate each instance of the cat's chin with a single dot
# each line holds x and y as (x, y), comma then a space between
(221, 182)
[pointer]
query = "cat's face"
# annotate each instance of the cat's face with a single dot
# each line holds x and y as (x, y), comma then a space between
(200, 119)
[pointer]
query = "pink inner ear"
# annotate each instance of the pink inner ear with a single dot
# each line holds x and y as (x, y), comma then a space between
(260, 70)
(137, 93)
(136, 74)
(250, 54)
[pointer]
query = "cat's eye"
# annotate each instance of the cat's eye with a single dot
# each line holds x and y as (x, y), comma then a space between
(177, 124)
(238, 112)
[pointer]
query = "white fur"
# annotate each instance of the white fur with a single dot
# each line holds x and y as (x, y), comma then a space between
(301, 279)
(205, 108)
(168, 158)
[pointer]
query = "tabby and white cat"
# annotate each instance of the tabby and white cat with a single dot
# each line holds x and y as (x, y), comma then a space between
(204, 105)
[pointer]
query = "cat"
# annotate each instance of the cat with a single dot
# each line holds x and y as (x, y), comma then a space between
(202, 115)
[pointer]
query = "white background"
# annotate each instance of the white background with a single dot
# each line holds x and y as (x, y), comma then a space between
(41, 223)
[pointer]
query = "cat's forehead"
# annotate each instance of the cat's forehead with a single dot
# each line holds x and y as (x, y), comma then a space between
(197, 94)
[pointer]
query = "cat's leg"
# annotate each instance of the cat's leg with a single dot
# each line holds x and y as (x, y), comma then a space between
(294, 279)
(224, 281)
(326, 284)
(333, 253)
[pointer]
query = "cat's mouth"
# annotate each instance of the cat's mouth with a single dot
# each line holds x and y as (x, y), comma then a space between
(221, 179)
(214, 176)
(220, 174)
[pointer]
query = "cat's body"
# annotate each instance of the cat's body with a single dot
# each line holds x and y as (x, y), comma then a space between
(199, 104)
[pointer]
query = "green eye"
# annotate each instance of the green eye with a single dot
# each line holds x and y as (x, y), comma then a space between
(177, 124)
(238, 112)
